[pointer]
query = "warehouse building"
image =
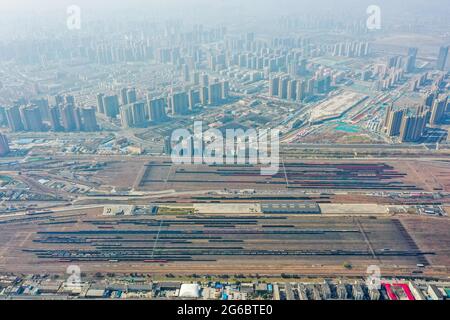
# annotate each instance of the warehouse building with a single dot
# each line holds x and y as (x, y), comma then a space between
(290, 208)
(189, 290)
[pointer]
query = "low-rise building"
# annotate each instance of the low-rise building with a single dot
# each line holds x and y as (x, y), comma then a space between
(341, 291)
(293, 208)
(95, 293)
(434, 292)
(247, 287)
(358, 293)
(415, 290)
(326, 291)
(374, 294)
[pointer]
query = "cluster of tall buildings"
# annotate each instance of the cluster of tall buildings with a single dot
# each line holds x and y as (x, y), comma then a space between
(406, 63)
(156, 109)
(284, 87)
(246, 52)
(393, 71)
(279, 55)
(107, 53)
(139, 44)
(189, 50)
(38, 116)
(418, 81)
(206, 93)
(351, 49)
(132, 112)
(168, 55)
(387, 78)
(411, 127)
(270, 60)
(264, 59)
(90, 50)
(397, 65)
(133, 115)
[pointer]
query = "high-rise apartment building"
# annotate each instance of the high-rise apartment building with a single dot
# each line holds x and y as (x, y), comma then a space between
(31, 118)
(442, 58)
(157, 111)
(292, 90)
(194, 98)
(411, 60)
(138, 111)
(14, 120)
(274, 84)
(111, 105)
(124, 96)
(412, 128)
(301, 90)
(89, 119)
(438, 111)
(131, 95)
(204, 96)
(55, 116)
(225, 90)
(100, 105)
(4, 145)
(394, 122)
(68, 117)
(126, 116)
(283, 88)
(215, 93)
(180, 103)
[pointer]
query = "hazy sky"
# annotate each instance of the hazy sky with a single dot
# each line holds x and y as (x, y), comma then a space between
(28, 14)
(266, 6)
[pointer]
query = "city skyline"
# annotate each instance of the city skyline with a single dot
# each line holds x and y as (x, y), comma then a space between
(224, 150)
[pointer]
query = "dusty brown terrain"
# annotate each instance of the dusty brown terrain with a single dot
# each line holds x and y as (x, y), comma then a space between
(431, 234)
(121, 174)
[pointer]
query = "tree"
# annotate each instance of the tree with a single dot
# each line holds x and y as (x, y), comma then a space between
(347, 265)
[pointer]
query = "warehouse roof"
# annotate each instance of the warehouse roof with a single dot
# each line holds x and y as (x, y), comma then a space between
(189, 290)
(292, 207)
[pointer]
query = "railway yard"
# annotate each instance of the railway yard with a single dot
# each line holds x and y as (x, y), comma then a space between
(217, 244)
(361, 212)
(195, 243)
(283, 151)
(291, 175)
